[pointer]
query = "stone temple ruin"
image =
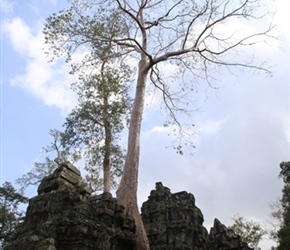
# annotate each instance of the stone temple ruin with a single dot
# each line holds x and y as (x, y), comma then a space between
(66, 216)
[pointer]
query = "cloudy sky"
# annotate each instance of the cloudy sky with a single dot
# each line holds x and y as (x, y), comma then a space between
(242, 129)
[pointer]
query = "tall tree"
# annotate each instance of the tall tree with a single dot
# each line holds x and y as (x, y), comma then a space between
(97, 121)
(92, 130)
(10, 214)
(284, 231)
(190, 35)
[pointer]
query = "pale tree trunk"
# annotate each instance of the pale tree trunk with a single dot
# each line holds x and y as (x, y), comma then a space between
(127, 191)
(108, 133)
(107, 160)
(108, 145)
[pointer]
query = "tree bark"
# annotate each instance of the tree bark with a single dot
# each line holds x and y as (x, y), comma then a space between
(108, 145)
(127, 191)
(108, 132)
(107, 156)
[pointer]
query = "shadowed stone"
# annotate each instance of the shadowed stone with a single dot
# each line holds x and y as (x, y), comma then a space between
(220, 237)
(66, 216)
(173, 222)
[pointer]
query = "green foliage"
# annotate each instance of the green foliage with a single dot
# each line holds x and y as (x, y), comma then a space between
(10, 215)
(285, 172)
(250, 231)
(115, 29)
(97, 95)
(95, 124)
(86, 24)
(284, 232)
(92, 129)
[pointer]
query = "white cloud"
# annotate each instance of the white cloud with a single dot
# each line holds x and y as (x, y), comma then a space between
(211, 127)
(49, 82)
(206, 128)
(161, 129)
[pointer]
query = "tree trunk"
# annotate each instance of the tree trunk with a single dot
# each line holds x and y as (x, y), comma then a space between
(127, 191)
(108, 132)
(108, 145)
(107, 160)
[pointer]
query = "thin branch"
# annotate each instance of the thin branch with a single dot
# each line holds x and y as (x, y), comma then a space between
(130, 14)
(244, 65)
(170, 54)
(223, 18)
(190, 25)
(165, 94)
(160, 19)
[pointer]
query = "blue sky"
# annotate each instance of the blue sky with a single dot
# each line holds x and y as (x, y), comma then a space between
(243, 128)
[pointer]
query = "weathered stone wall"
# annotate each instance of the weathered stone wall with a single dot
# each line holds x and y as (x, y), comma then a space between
(66, 216)
(173, 222)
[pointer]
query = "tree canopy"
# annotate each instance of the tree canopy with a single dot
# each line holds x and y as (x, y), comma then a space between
(194, 37)
(95, 124)
(10, 213)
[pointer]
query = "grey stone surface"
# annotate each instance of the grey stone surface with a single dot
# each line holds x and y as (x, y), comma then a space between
(66, 216)
(173, 222)
(222, 238)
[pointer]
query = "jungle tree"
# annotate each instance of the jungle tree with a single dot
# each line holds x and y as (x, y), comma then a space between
(193, 36)
(10, 214)
(91, 131)
(95, 124)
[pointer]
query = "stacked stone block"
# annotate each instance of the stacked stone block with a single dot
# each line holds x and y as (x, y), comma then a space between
(172, 221)
(66, 216)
